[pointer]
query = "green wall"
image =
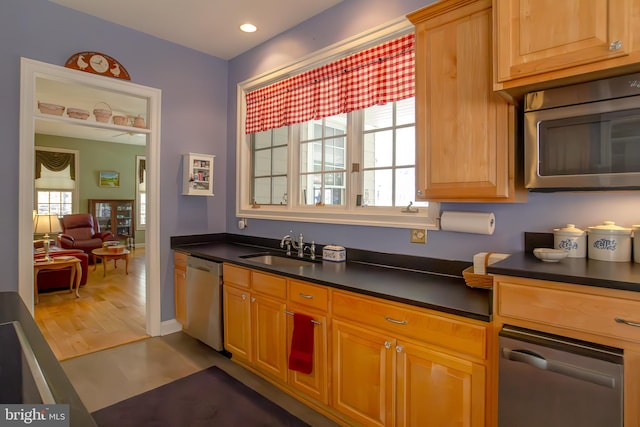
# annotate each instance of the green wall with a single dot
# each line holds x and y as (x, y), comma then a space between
(96, 156)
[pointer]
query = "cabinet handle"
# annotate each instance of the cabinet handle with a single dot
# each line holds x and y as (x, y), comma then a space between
(305, 296)
(253, 299)
(419, 192)
(399, 349)
(615, 45)
(627, 322)
(244, 297)
(397, 322)
(290, 313)
(387, 345)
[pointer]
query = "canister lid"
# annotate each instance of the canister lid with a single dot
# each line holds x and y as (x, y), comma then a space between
(609, 227)
(569, 230)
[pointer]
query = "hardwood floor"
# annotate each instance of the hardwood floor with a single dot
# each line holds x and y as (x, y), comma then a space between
(110, 311)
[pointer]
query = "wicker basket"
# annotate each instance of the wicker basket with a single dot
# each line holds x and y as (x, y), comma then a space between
(473, 280)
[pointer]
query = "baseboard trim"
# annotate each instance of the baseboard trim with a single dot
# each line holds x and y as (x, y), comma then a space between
(170, 326)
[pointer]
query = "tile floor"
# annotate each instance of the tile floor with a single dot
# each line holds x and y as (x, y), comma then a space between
(109, 376)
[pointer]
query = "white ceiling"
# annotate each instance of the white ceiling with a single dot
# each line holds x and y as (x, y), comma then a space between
(209, 26)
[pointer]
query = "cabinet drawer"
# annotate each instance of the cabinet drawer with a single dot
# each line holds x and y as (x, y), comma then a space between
(269, 285)
(579, 311)
(180, 260)
(308, 295)
(419, 324)
(237, 275)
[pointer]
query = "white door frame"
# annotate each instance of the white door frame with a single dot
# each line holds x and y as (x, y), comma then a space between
(30, 70)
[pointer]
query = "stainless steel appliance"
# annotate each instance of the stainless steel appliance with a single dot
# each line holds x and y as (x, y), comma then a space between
(584, 136)
(204, 301)
(551, 381)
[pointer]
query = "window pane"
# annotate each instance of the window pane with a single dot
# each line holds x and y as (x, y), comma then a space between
(378, 116)
(406, 146)
(262, 190)
(405, 186)
(310, 186)
(406, 111)
(279, 190)
(262, 163)
(280, 136)
(280, 160)
(378, 188)
(378, 149)
(262, 139)
(336, 125)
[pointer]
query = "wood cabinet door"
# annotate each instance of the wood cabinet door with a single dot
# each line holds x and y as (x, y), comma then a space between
(237, 322)
(438, 390)
(315, 384)
(363, 374)
(180, 294)
(269, 336)
(539, 36)
(465, 132)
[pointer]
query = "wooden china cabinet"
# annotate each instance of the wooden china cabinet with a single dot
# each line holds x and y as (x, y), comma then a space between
(116, 216)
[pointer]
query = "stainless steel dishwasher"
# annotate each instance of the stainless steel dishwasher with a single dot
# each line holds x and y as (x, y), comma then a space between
(551, 381)
(204, 301)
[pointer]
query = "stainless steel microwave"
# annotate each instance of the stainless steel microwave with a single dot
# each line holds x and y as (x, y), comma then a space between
(584, 136)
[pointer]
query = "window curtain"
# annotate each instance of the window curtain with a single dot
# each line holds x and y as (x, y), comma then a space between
(375, 76)
(142, 169)
(55, 162)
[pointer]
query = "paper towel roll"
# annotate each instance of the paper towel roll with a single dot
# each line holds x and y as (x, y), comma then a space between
(468, 222)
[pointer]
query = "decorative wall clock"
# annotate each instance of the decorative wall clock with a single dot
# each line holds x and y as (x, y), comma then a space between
(97, 63)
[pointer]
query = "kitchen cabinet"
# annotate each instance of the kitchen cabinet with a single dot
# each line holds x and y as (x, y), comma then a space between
(543, 43)
(586, 313)
(311, 300)
(198, 174)
(254, 319)
(466, 137)
(116, 216)
(389, 371)
(180, 286)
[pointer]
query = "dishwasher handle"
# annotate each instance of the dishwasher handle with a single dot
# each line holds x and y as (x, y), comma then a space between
(537, 361)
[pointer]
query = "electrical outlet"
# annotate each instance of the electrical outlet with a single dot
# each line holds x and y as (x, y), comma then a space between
(418, 235)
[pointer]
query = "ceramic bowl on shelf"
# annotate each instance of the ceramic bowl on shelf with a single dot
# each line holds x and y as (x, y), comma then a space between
(550, 255)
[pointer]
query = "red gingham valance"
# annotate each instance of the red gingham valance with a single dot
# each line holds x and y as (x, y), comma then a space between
(375, 76)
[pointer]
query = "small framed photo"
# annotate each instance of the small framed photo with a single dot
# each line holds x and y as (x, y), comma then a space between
(109, 179)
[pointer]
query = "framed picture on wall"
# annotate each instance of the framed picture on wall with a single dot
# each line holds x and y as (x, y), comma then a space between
(109, 179)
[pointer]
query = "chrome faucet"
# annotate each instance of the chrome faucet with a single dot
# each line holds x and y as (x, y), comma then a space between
(312, 249)
(299, 246)
(286, 240)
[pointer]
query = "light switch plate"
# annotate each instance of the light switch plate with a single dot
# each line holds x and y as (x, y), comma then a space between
(418, 235)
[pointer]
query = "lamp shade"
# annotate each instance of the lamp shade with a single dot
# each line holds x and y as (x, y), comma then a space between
(45, 224)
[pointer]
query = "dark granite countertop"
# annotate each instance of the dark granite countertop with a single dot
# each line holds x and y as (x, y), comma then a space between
(438, 290)
(579, 271)
(12, 309)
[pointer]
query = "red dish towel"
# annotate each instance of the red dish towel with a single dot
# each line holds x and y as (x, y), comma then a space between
(301, 356)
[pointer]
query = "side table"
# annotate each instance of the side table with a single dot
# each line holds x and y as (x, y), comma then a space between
(58, 264)
(106, 255)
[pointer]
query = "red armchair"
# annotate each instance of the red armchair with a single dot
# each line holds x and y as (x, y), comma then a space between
(59, 279)
(80, 231)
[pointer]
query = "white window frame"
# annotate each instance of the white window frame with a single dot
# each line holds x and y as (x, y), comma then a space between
(293, 211)
(75, 193)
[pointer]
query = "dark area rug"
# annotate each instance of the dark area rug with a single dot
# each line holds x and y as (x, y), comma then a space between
(207, 398)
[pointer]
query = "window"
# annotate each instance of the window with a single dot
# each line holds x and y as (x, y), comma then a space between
(141, 192)
(55, 184)
(353, 167)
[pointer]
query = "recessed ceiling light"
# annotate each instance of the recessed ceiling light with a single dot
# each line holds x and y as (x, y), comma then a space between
(248, 28)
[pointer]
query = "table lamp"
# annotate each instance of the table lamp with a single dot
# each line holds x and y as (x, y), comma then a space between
(46, 224)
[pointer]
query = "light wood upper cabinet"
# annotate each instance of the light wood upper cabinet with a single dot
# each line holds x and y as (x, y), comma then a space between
(465, 132)
(541, 42)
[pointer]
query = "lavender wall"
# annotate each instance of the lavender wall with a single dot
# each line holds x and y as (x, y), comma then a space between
(194, 115)
(542, 212)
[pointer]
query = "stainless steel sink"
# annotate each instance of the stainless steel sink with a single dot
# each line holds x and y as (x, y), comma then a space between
(277, 260)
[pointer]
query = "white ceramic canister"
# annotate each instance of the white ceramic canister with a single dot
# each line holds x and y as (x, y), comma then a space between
(610, 242)
(636, 243)
(572, 240)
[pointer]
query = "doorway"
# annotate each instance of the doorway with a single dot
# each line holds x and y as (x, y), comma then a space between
(35, 72)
